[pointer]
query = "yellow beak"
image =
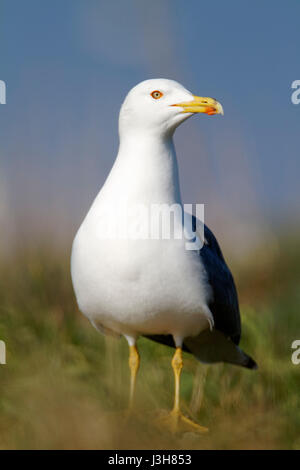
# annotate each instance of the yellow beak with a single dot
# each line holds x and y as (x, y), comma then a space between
(201, 105)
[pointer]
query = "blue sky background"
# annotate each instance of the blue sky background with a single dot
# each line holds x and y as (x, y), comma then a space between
(68, 65)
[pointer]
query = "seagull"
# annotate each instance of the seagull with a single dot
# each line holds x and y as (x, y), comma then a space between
(132, 281)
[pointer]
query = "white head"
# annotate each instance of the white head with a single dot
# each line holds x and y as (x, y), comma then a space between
(160, 105)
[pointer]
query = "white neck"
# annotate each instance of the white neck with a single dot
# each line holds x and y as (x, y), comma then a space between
(145, 170)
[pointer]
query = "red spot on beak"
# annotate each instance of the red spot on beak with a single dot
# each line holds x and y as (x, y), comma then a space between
(210, 111)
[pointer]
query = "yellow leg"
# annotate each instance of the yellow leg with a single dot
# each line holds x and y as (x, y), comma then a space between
(177, 364)
(176, 421)
(134, 363)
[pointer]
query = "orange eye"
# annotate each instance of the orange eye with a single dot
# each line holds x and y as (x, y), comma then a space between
(156, 94)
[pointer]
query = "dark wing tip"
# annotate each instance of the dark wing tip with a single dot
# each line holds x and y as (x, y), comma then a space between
(250, 364)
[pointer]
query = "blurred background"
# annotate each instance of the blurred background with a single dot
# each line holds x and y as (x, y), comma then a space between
(68, 66)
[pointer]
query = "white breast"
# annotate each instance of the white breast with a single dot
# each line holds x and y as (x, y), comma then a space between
(139, 286)
(131, 286)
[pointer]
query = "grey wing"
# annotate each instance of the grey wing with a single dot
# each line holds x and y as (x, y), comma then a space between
(221, 344)
(224, 304)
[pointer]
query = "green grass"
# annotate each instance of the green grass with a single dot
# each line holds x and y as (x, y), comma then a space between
(65, 386)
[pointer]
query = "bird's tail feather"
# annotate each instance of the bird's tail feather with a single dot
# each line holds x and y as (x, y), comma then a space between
(214, 346)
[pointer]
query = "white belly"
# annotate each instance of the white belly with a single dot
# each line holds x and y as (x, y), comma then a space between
(140, 286)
